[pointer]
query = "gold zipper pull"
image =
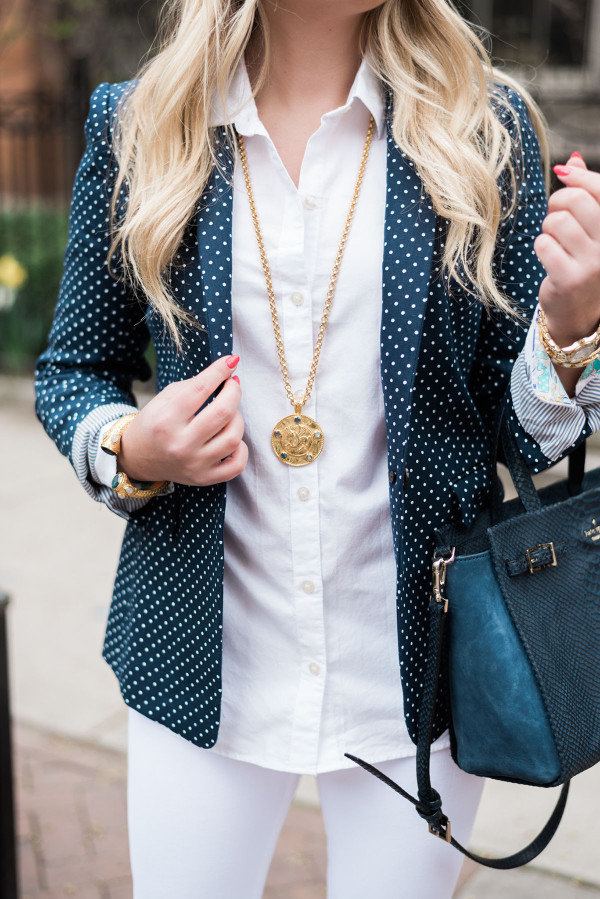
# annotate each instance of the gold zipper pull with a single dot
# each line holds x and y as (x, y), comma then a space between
(438, 576)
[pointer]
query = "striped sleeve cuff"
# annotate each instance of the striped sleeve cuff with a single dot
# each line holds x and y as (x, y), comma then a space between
(541, 403)
(84, 452)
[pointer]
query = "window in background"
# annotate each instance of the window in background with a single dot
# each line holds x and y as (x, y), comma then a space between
(553, 47)
(535, 32)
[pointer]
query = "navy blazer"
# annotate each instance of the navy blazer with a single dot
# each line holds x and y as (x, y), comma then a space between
(445, 366)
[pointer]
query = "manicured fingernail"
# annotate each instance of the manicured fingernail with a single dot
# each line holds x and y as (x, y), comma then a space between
(235, 378)
(233, 361)
(578, 155)
(562, 170)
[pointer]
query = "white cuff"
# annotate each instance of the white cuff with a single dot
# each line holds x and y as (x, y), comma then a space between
(103, 466)
(84, 453)
(554, 425)
(541, 403)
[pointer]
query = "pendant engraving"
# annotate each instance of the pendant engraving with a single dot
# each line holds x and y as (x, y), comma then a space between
(297, 440)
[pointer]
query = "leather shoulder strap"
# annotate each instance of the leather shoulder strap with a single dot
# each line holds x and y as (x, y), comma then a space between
(429, 803)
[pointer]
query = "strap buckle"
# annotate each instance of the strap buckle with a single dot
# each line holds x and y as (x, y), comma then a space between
(537, 559)
(441, 829)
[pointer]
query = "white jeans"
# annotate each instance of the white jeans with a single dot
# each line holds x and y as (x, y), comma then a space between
(202, 826)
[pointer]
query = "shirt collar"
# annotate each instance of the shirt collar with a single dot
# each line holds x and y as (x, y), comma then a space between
(240, 108)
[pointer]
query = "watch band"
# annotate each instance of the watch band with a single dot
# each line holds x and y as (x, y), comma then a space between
(124, 488)
(577, 355)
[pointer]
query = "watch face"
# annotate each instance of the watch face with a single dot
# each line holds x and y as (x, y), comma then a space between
(581, 354)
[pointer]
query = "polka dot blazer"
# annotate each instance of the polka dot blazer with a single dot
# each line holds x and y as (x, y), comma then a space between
(445, 366)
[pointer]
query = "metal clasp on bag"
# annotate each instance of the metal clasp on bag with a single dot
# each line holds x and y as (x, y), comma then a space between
(438, 576)
(442, 830)
(535, 564)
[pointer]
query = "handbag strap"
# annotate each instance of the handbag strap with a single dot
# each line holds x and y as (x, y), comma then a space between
(429, 803)
(521, 476)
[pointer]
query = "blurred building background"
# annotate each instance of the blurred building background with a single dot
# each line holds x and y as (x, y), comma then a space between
(54, 52)
(552, 46)
(52, 55)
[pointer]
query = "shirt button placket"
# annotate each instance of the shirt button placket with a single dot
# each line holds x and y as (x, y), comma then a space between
(308, 593)
(304, 490)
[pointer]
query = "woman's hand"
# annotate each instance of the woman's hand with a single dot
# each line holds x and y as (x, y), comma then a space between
(168, 441)
(569, 250)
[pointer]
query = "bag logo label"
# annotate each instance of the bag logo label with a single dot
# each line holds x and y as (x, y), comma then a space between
(593, 532)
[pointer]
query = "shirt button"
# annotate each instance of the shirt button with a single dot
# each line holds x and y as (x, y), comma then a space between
(392, 476)
(308, 586)
(314, 669)
(310, 202)
(303, 493)
(297, 298)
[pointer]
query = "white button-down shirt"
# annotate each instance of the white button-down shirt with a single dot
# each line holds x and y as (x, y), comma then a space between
(310, 654)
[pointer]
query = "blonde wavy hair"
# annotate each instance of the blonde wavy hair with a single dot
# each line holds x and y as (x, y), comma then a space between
(445, 118)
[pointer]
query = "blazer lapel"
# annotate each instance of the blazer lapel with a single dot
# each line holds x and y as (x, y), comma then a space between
(214, 231)
(410, 224)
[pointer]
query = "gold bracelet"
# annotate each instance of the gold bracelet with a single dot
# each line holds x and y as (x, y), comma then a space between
(112, 442)
(123, 487)
(121, 483)
(577, 355)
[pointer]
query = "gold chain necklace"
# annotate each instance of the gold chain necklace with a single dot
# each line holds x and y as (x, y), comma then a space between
(297, 439)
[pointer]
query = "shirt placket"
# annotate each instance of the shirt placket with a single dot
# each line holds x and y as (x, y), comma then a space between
(301, 221)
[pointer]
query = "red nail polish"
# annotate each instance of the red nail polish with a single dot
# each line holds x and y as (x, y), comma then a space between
(578, 155)
(233, 361)
(562, 170)
(235, 378)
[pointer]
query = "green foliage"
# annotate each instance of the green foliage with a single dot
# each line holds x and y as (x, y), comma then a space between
(36, 237)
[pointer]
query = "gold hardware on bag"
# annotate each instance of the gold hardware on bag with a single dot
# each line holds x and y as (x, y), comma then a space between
(531, 557)
(438, 572)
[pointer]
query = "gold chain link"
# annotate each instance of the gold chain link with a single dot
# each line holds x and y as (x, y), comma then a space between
(334, 275)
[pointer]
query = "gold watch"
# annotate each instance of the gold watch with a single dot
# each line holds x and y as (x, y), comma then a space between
(577, 355)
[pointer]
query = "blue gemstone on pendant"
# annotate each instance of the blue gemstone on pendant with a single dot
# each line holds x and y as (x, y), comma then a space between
(297, 419)
(278, 433)
(597, 364)
(284, 455)
(309, 457)
(116, 481)
(317, 433)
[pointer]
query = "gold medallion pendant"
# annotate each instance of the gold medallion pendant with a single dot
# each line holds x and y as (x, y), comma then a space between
(297, 440)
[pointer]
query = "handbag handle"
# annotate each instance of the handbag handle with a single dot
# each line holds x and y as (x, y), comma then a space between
(429, 803)
(520, 474)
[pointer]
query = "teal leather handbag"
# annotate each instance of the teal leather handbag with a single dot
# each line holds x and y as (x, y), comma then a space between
(514, 629)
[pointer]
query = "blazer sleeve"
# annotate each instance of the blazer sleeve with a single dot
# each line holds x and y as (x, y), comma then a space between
(519, 273)
(98, 338)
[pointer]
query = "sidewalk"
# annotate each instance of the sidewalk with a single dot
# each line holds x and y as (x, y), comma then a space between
(58, 556)
(72, 829)
(71, 805)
